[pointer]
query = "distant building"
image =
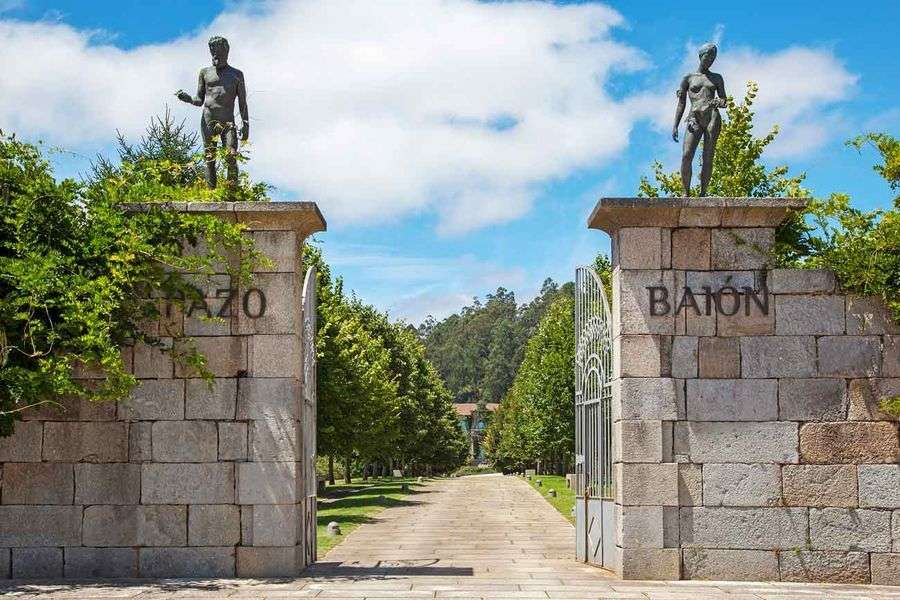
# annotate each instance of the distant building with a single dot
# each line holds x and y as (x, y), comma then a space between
(473, 419)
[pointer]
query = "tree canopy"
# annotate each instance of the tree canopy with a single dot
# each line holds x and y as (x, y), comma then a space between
(535, 422)
(478, 350)
(380, 400)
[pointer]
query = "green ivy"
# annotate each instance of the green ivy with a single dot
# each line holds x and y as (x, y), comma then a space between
(861, 247)
(80, 276)
(891, 406)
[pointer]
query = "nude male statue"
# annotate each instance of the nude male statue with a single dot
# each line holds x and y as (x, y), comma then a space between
(220, 85)
(703, 121)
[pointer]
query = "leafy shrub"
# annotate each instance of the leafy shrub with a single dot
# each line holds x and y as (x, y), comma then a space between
(861, 247)
(79, 275)
(166, 165)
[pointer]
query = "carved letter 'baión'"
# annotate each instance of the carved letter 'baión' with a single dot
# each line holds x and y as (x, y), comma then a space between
(727, 300)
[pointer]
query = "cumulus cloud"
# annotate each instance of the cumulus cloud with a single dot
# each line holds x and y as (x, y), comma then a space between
(381, 109)
(373, 109)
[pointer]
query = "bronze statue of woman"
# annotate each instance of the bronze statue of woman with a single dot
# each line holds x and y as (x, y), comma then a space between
(703, 120)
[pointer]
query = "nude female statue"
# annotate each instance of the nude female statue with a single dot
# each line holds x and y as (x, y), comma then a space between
(703, 120)
(218, 88)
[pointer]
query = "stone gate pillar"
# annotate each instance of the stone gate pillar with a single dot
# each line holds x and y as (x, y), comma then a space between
(184, 478)
(748, 443)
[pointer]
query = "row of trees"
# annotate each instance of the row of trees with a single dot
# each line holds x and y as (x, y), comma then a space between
(478, 350)
(535, 424)
(381, 404)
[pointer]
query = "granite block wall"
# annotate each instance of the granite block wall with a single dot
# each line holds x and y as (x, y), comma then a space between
(746, 402)
(185, 478)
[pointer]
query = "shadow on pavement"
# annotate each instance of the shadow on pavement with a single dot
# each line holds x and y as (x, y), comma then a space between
(104, 587)
(386, 569)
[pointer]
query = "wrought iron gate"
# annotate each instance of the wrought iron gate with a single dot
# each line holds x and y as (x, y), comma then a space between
(595, 493)
(308, 416)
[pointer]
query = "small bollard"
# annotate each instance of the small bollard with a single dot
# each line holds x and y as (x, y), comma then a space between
(404, 487)
(333, 529)
(420, 480)
(538, 482)
(551, 492)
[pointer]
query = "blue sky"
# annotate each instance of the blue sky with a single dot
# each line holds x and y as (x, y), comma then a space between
(455, 146)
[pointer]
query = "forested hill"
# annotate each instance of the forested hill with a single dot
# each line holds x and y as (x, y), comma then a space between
(478, 350)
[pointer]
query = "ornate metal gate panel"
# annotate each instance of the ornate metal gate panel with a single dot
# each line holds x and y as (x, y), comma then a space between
(308, 416)
(595, 493)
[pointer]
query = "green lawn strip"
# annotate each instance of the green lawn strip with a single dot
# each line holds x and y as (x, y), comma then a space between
(351, 510)
(565, 497)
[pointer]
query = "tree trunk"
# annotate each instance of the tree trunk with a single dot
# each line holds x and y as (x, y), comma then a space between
(347, 469)
(330, 469)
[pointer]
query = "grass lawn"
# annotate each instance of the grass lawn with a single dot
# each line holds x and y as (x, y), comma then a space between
(357, 503)
(565, 497)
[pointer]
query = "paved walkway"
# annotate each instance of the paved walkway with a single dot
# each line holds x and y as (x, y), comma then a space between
(475, 537)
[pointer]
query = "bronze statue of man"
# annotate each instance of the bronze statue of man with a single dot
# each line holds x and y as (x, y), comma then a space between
(703, 121)
(220, 85)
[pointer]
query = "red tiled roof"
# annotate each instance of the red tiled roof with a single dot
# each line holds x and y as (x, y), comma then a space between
(464, 409)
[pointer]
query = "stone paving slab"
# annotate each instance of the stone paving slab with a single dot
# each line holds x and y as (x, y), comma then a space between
(479, 538)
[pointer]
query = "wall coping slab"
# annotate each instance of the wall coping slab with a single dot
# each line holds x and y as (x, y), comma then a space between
(611, 214)
(303, 217)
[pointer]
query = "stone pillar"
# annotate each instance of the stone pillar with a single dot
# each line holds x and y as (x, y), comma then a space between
(749, 444)
(185, 478)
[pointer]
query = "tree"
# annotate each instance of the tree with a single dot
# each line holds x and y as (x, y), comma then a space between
(380, 400)
(356, 392)
(603, 267)
(79, 275)
(536, 420)
(478, 350)
(166, 165)
(861, 247)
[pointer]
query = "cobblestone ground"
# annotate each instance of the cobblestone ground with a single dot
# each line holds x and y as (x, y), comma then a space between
(474, 537)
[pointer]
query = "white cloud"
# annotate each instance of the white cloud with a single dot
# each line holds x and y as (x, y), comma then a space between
(381, 109)
(798, 90)
(372, 109)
